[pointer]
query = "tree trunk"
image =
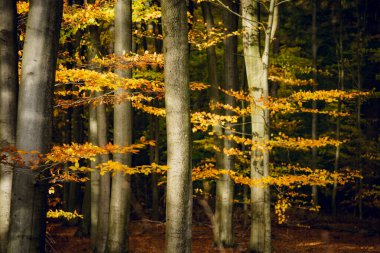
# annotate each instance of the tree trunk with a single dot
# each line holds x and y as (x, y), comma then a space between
(339, 51)
(8, 108)
(75, 194)
(157, 29)
(67, 139)
(224, 187)
(92, 51)
(314, 103)
(104, 182)
(243, 148)
(257, 77)
(121, 186)
(34, 125)
(214, 97)
(156, 159)
(95, 176)
(85, 223)
(177, 103)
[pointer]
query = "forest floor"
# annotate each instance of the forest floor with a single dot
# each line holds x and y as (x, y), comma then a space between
(326, 236)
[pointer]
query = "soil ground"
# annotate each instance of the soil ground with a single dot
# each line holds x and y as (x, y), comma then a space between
(326, 237)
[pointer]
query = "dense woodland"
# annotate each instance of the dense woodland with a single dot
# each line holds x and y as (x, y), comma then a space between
(243, 117)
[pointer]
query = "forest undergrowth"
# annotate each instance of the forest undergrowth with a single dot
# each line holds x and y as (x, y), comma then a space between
(303, 232)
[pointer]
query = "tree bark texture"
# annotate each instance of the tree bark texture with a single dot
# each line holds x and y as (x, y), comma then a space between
(224, 188)
(121, 186)
(104, 182)
(214, 97)
(177, 103)
(338, 35)
(257, 78)
(314, 103)
(95, 176)
(34, 125)
(155, 157)
(8, 108)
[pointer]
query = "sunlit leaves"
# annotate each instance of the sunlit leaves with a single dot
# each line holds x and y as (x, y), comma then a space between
(56, 214)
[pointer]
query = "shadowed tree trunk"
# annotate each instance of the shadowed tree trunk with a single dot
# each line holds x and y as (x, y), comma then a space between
(314, 103)
(121, 186)
(177, 103)
(34, 125)
(104, 182)
(214, 97)
(96, 204)
(8, 108)
(75, 197)
(224, 187)
(155, 158)
(338, 36)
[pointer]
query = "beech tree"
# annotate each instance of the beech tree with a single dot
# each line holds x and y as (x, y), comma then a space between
(94, 177)
(8, 108)
(314, 50)
(120, 192)
(225, 187)
(34, 125)
(104, 182)
(177, 103)
(257, 78)
(225, 152)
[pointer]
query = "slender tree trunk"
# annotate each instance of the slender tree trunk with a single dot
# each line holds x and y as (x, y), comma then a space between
(95, 176)
(104, 182)
(339, 52)
(97, 205)
(361, 25)
(75, 197)
(314, 103)
(243, 148)
(177, 103)
(8, 108)
(224, 187)
(214, 97)
(257, 77)
(269, 34)
(34, 125)
(254, 72)
(67, 139)
(155, 159)
(79, 200)
(359, 102)
(121, 186)
(155, 177)
(336, 165)
(85, 223)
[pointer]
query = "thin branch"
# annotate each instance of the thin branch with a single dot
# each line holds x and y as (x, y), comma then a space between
(220, 3)
(284, 1)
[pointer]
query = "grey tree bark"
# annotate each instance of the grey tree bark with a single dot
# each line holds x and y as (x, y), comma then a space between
(92, 51)
(177, 104)
(75, 194)
(314, 103)
(34, 125)
(359, 59)
(104, 182)
(95, 176)
(121, 186)
(8, 108)
(257, 78)
(214, 97)
(338, 36)
(225, 187)
(155, 157)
